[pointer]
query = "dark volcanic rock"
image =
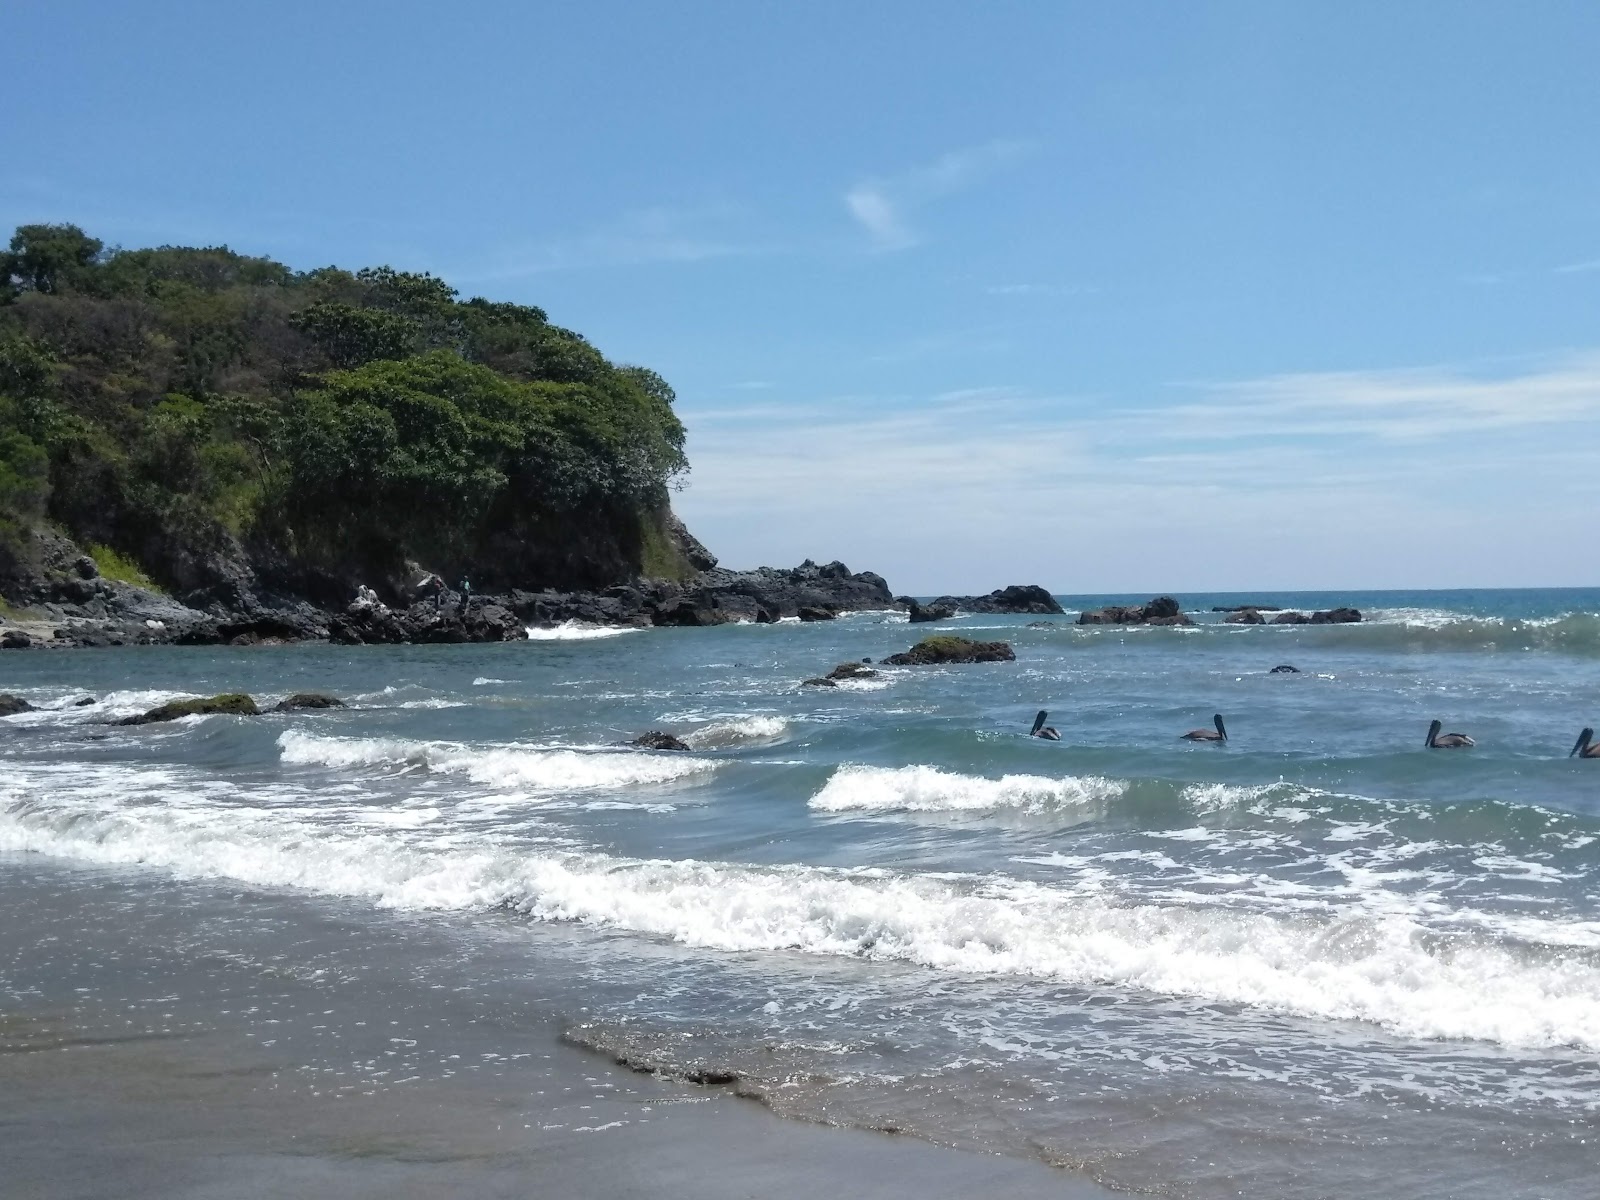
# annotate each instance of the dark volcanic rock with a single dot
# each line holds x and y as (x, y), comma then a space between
(1243, 616)
(1284, 669)
(307, 700)
(845, 670)
(10, 705)
(923, 613)
(1291, 618)
(815, 613)
(234, 704)
(84, 702)
(1163, 610)
(742, 595)
(657, 740)
(945, 649)
(819, 681)
(14, 639)
(1336, 616)
(1018, 598)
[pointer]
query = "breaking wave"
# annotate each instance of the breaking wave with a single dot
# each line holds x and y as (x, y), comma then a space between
(495, 766)
(737, 731)
(929, 789)
(1383, 968)
(577, 631)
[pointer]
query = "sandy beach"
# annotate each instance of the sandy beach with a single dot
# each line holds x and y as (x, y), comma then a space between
(275, 1048)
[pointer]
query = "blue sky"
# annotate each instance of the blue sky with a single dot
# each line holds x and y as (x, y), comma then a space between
(1109, 297)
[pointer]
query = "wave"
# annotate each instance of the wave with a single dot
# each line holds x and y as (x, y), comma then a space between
(577, 631)
(929, 789)
(1429, 629)
(1381, 968)
(737, 731)
(496, 766)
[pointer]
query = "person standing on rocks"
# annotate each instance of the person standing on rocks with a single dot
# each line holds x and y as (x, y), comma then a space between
(466, 594)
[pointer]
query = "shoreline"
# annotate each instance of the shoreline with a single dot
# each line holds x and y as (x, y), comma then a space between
(164, 1038)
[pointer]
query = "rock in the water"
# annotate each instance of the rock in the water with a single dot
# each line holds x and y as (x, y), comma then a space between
(233, 704)
(1284, 669)
(845, 670)
(9, 705)
(1243, 616)
(1018, 598)
(1246, 608)
(819, 681)
(946, 649)
(307, 700)
(14, 639)
(1291, 618)
(84, 702)
(922, 613)
(1040, 625)
(658, 740)
(816, 613)
(1163, 610)
(1336, 616)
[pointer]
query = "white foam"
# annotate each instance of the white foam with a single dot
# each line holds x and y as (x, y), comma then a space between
(577, 631)
(737, 731)
(1382, 968)
(540, 769)
(485, 681)
(929, 789)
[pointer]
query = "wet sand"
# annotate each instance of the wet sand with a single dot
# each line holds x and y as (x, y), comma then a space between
(189, 1040)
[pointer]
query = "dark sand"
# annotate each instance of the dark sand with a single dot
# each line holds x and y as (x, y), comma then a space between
(188, 1040)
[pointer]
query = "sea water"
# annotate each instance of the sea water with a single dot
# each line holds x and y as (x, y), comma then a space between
(1319, 959)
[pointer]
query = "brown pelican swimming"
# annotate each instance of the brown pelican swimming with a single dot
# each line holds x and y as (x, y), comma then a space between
(1041, 730)
(1587, 747)
(1219, 734)
(1447, 741)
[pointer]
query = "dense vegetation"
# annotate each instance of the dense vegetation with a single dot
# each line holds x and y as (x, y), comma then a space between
(184, 407)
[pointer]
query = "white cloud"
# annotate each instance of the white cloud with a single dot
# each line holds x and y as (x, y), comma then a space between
(1579, 268)
(1399, 478)
(880, 205)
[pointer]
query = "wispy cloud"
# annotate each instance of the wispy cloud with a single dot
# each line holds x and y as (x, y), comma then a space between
(1307, 479)
(882, 205)
(1040, 289)
(650, 235)
(1578, 268)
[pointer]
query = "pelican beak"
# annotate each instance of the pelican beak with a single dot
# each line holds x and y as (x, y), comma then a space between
(1038, 723)
(1217, 721)
(1433, 732)
(1583, 743)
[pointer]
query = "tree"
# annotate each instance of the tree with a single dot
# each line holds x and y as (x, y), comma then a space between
(49, 258)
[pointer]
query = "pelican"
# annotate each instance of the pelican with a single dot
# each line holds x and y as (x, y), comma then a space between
(1219, 734)
(1041, 730)
(1447, 741)
(1586, 747)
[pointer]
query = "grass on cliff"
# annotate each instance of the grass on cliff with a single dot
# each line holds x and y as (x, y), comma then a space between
(120, 569)
(659, 556)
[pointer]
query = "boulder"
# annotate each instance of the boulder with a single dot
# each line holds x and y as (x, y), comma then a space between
(657, 740)
(84, 702)
(1243, 616)
(301, 700)
(1336, 616)
(922, 613)
(819, 681)
(810, 613)
(10, 705)
(946, 649)
(1291, 618)
(233, 704)
(1163, 610)
(1284, 669)
(1018, 598)
(845, 670)
(14, 639)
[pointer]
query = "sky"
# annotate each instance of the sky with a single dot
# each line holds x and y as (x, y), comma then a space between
(1108, 297)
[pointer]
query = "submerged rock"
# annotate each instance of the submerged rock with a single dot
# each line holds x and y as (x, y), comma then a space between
(923, 613)
(10, 705)
(1284, 669)
(307, 700)
(1244, 616)
(233, 704)
(1330, 616)
(947, 649)
(845, 670)
(84, 702)
(658, 740)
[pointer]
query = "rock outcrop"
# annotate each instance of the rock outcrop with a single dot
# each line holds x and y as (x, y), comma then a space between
(1330, 616)
(921, 614)
(845, 670)
(945, 649)
(1163, 610)
(1243, 616)
(233, 704)
(1018, 598)
(307, 700)
(11, 705)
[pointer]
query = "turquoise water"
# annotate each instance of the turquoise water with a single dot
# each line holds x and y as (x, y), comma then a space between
(1315, 958)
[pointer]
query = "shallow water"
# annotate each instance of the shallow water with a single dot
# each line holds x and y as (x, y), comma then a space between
(1311, 960)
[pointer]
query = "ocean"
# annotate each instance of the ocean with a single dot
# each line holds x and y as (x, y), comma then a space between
(1318, 960)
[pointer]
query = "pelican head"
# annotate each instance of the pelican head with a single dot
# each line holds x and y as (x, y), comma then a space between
(1582, 748)
(1041, 730)
(1433, 732)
